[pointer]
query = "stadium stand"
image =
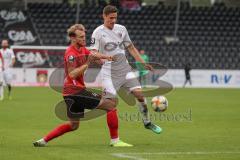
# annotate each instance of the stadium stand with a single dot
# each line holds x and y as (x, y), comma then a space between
(207, 34)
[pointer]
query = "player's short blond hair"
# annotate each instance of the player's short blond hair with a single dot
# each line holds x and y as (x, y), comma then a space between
(73, 28)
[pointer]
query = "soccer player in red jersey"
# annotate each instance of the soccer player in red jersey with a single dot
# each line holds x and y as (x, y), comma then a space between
(76, 96)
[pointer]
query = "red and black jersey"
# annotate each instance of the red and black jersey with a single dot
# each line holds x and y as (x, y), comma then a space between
(74, 58)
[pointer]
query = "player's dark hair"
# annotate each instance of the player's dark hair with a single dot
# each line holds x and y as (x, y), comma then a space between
(110, 9)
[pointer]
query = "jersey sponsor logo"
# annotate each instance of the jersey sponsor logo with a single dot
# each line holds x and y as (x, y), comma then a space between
(111, 46)
(71, 59)
(21, 37)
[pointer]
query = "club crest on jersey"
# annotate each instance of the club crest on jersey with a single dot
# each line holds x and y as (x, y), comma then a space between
(120, 35)
(71, 59)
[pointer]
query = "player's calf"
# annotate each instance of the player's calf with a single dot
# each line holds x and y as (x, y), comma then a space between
(58, 131)
(142, 104)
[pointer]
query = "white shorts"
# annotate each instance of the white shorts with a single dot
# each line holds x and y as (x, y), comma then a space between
(111, 85)
(8, 76)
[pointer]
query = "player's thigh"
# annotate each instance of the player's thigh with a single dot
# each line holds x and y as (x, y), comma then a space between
(107, 104)
(132, 85)
(89, 99)
(137, 92)
(75, 109)
(109, 89)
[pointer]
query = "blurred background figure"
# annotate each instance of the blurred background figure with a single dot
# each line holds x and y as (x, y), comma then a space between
(1, 77)
(187, 70)
(141, 70)
(9, 60)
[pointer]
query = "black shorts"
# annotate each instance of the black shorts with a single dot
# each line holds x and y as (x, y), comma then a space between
(77, 103)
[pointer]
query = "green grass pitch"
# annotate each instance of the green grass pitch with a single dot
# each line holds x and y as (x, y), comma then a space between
(199, 124)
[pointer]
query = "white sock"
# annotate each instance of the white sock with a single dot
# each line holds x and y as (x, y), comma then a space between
(114, 140)
(42, 141)
(144, 111)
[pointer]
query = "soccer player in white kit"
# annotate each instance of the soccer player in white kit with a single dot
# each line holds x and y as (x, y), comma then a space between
(9, 60)
(1, 77)
(112, 39)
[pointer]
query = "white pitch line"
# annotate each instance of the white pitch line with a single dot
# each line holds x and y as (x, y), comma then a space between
(131, 155)
(123, 155)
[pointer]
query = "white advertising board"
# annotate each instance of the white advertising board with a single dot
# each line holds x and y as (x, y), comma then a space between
(200, 78)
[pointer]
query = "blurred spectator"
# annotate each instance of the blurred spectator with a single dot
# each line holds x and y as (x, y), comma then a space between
(141, 70)
(187, 70)
(131, 4)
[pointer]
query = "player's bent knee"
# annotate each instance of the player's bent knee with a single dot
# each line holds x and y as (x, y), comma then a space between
(113, 102)
(74, 125)
(140, 98)
(107, 104)
(139, 95)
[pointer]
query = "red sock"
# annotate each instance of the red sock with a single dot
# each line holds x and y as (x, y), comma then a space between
(60, 130)
(112, 121)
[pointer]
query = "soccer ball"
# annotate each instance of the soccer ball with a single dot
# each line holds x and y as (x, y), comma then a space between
(159, 103)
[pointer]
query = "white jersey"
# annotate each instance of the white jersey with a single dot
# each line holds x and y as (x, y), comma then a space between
(7, 55)
(110, 42)
(114, 74)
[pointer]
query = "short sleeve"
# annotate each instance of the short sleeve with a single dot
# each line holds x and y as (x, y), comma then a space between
(71, 60)
(126, 38)
(95, 41)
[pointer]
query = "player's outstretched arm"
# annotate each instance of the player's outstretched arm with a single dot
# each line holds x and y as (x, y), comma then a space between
(95, 54)
(134, 52)
(75, 72)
